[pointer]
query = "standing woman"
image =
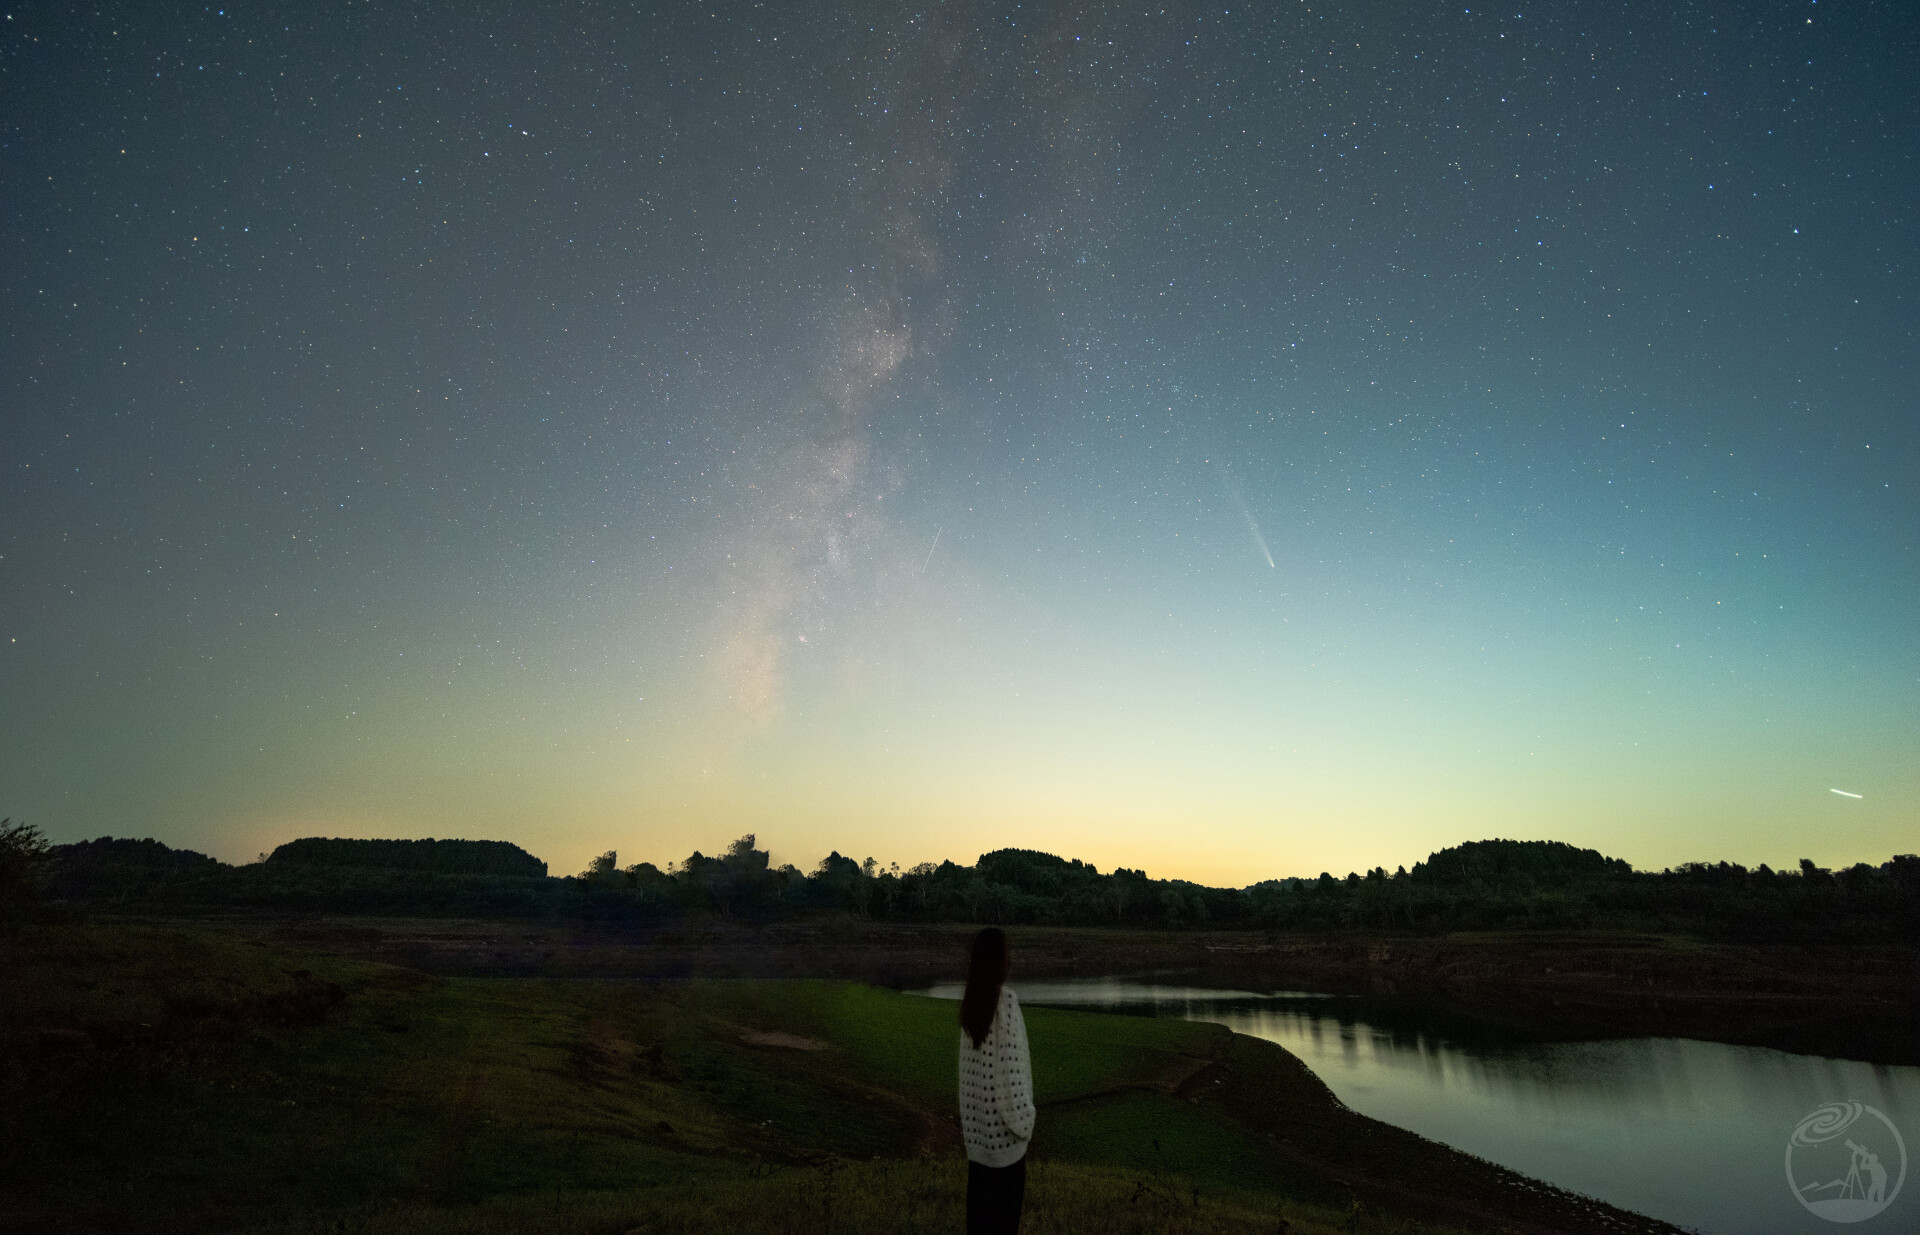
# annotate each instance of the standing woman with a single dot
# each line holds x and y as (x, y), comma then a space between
(996, 1090)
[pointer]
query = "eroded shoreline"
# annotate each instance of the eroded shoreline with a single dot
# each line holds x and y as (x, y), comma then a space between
(1858, 1003)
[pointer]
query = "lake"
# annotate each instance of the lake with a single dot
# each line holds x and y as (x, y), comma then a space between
(1696, 1133)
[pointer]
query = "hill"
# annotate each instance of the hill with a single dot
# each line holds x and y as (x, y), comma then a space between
(445, 857)
(1516, 862)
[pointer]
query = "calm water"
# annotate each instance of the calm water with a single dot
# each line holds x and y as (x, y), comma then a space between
(1693, 1132)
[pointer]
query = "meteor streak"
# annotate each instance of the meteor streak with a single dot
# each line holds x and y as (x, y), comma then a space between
(1843, 793)
(931, 548)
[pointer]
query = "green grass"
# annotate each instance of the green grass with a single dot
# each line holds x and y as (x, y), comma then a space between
(1152, 1132)
(156, 1080)
(910, 1043)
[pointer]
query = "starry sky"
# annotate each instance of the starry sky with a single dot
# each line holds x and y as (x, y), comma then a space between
(1231, 442)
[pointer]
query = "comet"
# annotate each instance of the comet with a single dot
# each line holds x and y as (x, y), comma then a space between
(1843, 793)
(1246, 513)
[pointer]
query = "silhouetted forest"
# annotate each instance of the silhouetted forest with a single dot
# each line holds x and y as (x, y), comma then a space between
(447, 857)
(1480, 885)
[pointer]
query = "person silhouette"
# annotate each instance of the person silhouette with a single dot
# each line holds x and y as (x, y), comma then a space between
(1853, 1187)
(1877, 1172)
(996, 1090)
(1875, 1187)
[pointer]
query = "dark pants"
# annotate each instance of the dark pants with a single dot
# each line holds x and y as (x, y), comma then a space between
(994, 1195)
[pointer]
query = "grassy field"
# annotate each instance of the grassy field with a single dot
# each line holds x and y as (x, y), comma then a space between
(166, 1079)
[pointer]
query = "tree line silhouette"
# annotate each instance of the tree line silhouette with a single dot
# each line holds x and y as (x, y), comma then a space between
(1480, 885)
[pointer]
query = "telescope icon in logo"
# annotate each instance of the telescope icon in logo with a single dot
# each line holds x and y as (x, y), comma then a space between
(1846, 1162)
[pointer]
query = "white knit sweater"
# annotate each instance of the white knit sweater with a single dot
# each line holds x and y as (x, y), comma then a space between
(996, 1088)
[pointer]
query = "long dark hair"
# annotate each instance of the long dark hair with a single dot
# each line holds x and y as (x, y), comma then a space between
(986, 974)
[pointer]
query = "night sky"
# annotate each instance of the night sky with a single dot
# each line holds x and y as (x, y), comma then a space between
(1231, 442)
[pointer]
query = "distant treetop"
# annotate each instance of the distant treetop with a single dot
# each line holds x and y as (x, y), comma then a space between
(1504, 861)
(108, 851)
(1478, 886)
(446, 857)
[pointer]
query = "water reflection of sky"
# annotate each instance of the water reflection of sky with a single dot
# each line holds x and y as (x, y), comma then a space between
(1692, 1132)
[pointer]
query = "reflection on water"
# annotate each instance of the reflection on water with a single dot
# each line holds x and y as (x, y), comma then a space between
(1692, 1132)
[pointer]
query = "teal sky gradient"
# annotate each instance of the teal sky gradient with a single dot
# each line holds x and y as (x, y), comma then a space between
(1234, 445)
